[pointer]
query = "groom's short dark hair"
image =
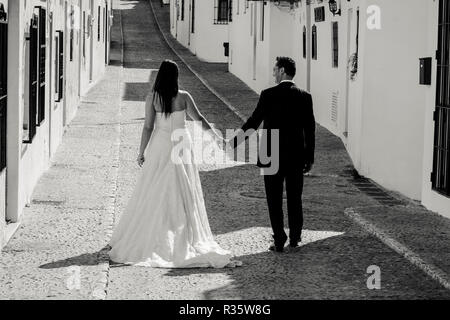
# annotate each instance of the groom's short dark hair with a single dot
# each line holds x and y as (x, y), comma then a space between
(288, 64)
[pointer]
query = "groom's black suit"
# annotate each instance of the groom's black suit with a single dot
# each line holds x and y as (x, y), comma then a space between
(289, 109)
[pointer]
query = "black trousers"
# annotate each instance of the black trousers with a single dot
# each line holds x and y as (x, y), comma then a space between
(274, 192)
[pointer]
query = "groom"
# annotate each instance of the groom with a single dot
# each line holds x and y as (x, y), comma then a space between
(288, 110)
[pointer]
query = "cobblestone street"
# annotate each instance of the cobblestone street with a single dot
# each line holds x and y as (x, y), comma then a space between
(80, 198)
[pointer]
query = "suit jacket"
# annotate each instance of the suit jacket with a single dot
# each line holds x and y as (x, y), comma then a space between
(290, 110)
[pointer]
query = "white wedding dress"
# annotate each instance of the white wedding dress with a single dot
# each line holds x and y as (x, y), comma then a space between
(165, 224)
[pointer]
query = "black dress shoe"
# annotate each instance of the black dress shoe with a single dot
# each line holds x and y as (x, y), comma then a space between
(276, 248)
(293, 245)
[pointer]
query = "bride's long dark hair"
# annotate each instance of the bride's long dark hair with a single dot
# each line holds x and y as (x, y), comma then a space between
(166, 85)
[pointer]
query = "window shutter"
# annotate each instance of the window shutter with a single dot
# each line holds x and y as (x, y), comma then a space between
(42, 58)
(61, 65)
(3, 89)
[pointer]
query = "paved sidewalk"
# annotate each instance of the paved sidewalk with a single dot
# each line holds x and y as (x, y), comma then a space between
(67, 223)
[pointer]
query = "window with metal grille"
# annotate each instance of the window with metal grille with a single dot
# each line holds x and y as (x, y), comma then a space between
(222, 11)
(3, 87)
(193, 17)
(59, 66)
(441, 159)
(41, 63)
(314, 43)
(230, 10)
(304, 42)
(335, 44)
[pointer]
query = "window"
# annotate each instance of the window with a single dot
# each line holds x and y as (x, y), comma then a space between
(222, 11)
(3, 88)
(104, 23)
(42, 50)
(357, 32)
(106, 32)
(314, 43)
(84, 34)
(182, 10)
(304, 42)
(98, 24)
(30, 117)
(335, 44)
(261, 33)
(59, 66)
(319, 14)
(72, 22)
(193, 17)
(440, 177)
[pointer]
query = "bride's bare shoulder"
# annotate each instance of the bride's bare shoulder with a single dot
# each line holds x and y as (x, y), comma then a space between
(184, 95)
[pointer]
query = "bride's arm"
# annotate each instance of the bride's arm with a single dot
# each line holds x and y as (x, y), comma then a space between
(195, 115)
(148, 125)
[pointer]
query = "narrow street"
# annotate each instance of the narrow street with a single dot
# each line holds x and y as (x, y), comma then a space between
(80, 198)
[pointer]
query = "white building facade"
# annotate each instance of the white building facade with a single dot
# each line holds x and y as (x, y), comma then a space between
(378, 72)
(202, 27)
(51, 53)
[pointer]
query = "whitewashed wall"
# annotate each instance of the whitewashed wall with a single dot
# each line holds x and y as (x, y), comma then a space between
(26, 162)
(208, 38)
(252, 67)
(392, 135)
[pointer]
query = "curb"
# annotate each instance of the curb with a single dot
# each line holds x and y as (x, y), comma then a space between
(432, 271)
(100, 288)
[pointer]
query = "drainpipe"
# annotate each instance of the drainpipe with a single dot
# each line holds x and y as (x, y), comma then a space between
(15, 103)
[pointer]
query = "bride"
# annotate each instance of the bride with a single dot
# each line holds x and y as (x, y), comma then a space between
(165, 224)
